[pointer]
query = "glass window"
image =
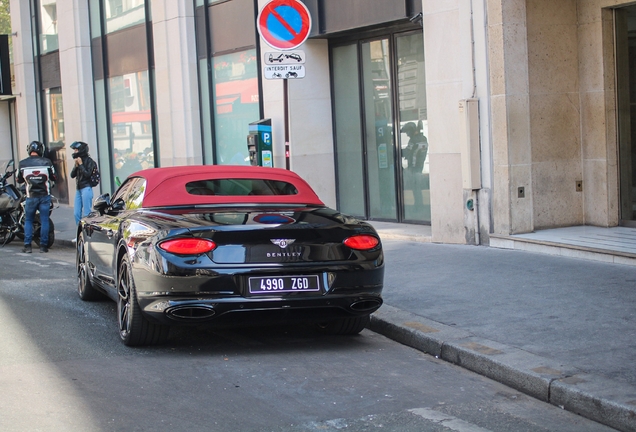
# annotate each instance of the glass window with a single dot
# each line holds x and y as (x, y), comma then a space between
(413, 135)
(135, 196)
(376, 72)
(131, 132)
(206, 111)
(122, 190)
(228, 78)
(48, 26)
(348, 132)
(123, 13)
(55, 133)
(236, 104)
(240, 187)
(131, 193)
(102, 135)
(95, 19)
(55, 114)
(123, 89)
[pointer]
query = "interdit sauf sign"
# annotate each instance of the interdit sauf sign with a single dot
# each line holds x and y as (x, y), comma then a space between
(284, 25)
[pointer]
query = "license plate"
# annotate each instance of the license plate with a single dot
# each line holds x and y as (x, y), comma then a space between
(283, 284)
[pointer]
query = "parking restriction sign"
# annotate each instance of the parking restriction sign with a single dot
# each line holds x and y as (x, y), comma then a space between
(284, 24)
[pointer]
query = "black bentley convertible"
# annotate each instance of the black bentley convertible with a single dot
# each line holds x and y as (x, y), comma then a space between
(227, 246)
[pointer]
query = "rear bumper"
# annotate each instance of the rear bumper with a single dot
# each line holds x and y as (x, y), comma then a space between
(223, 299)
(240, 311)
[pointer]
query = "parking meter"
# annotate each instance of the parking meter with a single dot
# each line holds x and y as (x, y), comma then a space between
(259, 143)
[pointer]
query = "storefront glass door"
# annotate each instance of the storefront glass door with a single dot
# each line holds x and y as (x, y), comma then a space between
(413, 122)
(381, 128)
(378, 116)
(625, 25)
(349, 148)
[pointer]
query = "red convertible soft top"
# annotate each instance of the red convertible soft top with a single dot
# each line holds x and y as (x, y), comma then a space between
(174, 186)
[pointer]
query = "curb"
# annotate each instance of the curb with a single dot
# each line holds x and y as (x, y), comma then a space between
(597, 398)
(386, 235)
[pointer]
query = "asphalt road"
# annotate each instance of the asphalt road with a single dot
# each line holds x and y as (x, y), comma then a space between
(63, 368)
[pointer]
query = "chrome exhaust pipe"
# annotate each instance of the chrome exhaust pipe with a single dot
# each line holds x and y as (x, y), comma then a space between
(191, 313)
(365, 305)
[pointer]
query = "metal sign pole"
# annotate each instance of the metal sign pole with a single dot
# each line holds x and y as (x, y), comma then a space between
(286, 115)
(284, 25)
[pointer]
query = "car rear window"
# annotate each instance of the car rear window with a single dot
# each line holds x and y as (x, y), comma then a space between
(240, 187)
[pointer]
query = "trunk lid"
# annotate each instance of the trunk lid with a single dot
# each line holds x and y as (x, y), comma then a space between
(274, 236)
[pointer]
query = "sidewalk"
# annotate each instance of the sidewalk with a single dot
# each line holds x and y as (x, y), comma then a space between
(559, 328)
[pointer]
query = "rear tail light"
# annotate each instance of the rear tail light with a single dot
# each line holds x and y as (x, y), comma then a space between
(188, 246)
(361, 242)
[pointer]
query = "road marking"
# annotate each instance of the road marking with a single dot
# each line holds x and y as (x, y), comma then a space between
(373, 421)
(448, 421)
(34, 262)
(43, 259)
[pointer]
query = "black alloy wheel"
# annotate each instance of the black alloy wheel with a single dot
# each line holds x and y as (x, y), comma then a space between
(134, 328)
(85, 288)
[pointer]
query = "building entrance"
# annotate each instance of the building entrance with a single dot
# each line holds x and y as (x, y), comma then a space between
(625, 26)
(381, 127)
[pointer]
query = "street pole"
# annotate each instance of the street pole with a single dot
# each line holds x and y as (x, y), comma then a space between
(286, 114)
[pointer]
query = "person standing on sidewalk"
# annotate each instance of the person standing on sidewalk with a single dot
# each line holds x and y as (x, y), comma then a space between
(39, 174)
(82, 172)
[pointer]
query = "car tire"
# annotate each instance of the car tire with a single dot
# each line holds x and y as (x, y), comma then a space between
(346, 326)
(85, 288)
(134, 328)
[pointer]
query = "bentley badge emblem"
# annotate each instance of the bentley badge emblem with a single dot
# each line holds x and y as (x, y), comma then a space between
(282, 243)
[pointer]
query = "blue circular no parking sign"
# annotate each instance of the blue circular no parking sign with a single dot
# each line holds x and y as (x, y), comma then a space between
(284, 24)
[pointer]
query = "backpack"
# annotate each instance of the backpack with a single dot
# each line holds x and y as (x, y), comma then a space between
(95, 177)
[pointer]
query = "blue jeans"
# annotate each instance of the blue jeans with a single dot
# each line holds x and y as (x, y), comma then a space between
(83, 203)
(43, 205)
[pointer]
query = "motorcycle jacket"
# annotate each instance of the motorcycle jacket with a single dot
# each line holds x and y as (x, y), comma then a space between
(38, 173)
(415, 152)
(82, 173)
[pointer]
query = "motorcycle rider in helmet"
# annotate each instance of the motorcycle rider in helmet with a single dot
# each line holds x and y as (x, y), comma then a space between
(39, 174)
(81, 172)
(415, 155)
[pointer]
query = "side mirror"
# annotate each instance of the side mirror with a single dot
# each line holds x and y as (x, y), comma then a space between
(101, 203)
(9, 166)
(118, 205)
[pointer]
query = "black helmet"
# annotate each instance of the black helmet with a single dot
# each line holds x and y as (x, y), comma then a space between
(81, 147)
(409, 128)
(35, 146)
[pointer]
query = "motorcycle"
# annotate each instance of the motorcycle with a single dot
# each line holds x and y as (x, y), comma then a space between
(12, 212)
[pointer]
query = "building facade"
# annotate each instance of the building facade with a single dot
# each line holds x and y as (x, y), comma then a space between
(476, 117)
